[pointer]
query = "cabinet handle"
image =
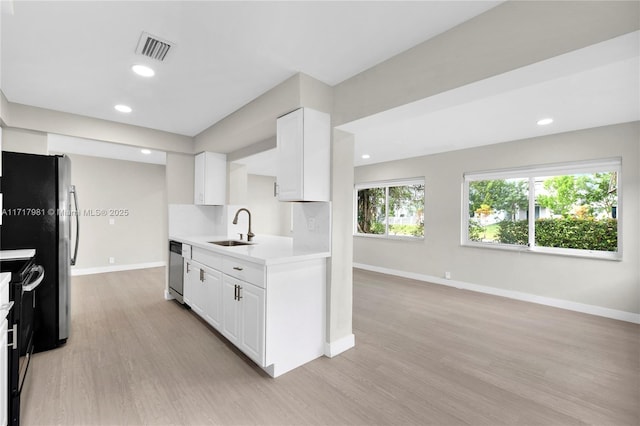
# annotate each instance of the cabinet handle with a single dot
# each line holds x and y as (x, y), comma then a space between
(14, 336)
(239, 294)
(237, 268)
(202, 275)
(235, 292)
(188, 264)
(275, 189)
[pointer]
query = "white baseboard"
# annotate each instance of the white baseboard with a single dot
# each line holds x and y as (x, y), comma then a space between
(527, 297)
(335, 348)
(116, 268)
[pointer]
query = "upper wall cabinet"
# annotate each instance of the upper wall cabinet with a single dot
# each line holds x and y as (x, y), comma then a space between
(210, 186)
(303, 146)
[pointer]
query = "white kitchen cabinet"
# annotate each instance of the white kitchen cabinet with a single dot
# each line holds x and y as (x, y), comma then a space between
(191, 288)
(230, 327)
(274, 313)
(210, 184)
(303, 156)
(252, 320)
(212, 295)
(243, 319)
(203, 291)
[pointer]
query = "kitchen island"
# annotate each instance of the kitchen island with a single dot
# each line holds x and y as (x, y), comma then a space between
(268, 297)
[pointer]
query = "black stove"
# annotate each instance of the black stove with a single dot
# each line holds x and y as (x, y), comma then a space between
(25, 277)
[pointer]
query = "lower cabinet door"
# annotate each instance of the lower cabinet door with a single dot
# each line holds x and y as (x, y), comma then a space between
(213, 297)
(187, 282)
(230, 309)
(199, 301)
(252, 322)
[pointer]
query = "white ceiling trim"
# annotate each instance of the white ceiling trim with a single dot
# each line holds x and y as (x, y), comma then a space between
(93, 148)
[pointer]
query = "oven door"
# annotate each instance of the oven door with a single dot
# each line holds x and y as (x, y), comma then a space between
(33, 280)
(23, 316)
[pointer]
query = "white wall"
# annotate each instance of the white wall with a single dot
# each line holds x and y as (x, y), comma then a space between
(27, 141)
(4, 106)
(138, 238)
(236, 183)
(609, 284)
(340, 293)
(180, 178)
(270, 216)
(62, 123)
(254, 122)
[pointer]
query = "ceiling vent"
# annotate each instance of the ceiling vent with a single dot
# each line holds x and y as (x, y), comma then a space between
(153, 47)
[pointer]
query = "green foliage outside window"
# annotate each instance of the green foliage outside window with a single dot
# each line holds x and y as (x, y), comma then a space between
(371, 210)
(577, 211)
(573, 233)
(596, 191)
(396, 210)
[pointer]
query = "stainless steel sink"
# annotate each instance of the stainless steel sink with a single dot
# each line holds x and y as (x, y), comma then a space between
(230, 243)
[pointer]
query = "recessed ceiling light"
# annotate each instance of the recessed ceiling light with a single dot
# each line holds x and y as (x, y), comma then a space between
(545, 121)
(123, 108)
(143, 70)
(145, 151)
(365, 156)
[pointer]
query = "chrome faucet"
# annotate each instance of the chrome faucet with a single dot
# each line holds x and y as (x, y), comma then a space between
(250, 234)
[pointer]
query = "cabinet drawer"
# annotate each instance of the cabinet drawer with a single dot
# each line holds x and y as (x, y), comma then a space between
(207, 258)
(246, 271)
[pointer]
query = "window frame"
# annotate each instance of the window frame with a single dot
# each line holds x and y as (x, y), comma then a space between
(386, 184)
(531, 173)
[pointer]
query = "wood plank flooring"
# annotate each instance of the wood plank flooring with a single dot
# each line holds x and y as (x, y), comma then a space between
(425, 354)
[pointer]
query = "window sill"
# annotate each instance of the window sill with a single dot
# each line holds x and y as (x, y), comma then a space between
(585, 254)
(390, 237)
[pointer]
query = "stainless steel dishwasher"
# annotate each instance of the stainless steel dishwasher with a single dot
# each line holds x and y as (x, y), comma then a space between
(176, 265)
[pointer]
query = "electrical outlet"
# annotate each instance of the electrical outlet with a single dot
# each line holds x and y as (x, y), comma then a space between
(447, 275)
(311, 224)
(112, 260)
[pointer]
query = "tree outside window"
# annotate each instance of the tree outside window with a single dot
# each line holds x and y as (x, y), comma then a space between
(576, 210)
(391, 209)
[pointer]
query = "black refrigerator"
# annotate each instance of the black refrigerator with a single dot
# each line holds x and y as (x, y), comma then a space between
(38, 213)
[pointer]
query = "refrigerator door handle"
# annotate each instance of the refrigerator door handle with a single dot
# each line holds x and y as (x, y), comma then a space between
(77, 215)
(39, 271)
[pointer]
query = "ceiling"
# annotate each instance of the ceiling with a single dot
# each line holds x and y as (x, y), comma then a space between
(595, 86)
(76, 56)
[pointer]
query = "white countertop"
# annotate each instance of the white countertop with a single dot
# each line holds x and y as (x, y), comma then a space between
(264, 249)
(17, 254)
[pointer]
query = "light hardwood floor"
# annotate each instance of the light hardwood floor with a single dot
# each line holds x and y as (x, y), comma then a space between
(425, 354)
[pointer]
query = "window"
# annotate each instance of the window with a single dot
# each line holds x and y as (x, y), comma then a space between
(565, 209)
(390, 209)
